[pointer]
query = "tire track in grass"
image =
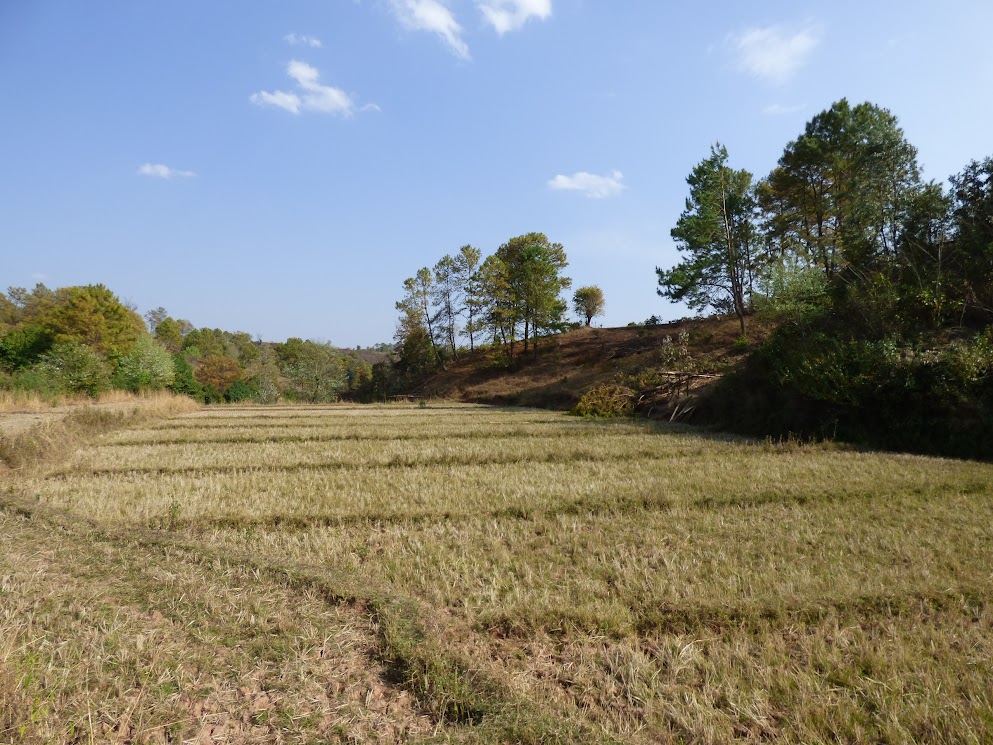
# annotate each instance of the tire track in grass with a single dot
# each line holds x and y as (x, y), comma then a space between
(418, 647)
(125, 643)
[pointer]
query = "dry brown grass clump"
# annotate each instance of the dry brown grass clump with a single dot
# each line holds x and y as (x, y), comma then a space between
(48, 437)
(606, 400)
(25, 401)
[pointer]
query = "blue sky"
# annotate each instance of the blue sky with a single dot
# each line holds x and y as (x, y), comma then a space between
(280, 168)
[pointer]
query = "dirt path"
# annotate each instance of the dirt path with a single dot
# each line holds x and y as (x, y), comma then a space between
(15, 422)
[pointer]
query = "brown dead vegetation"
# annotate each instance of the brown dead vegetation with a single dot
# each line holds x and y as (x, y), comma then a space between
(568, 365)
(28, 438)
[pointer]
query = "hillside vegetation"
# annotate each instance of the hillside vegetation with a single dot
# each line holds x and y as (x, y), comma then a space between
(879, 286)
(562, 368)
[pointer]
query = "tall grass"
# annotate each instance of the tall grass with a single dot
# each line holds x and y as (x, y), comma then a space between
(18, 401)
(29, 401)
(56, 436)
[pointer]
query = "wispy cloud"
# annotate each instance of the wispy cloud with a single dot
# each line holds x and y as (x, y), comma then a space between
(774, 53)
(590, 184)
(510, 15)
(433, 16)
(302, 40)
(157, 170)
(311, 94)
(779, 109)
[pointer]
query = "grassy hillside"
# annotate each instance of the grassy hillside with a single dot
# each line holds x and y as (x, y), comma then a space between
(568, 365)
(475, 574)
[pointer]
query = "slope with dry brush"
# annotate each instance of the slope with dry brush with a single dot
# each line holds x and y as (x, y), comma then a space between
(656, 368)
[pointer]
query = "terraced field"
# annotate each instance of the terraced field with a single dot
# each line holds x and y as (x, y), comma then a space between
(490, 575)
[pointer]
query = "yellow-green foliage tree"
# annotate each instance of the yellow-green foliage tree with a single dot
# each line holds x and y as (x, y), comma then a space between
(588, 302)
(92, 315)
(206, 343)
(169, 334)
(9, 313)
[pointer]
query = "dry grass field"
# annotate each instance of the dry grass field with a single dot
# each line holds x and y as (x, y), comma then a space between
(472, 574)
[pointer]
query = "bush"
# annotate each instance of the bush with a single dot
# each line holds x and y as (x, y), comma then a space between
(883, 393)
(210, 395)
(240, 391)
(607, 400)
(266, 384)
(147, 366)
(36, 380)
(791, 294)
(23, 347)
(183, 381)
(674, 353)
(75, 368)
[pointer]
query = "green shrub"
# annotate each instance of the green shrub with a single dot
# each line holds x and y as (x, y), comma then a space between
(266, 384)
(793, 295)
(674, 352)
(37, 380)
(146, 366)
(240, 391)
(22, 347)
(183, 381)
(75, 368)
(210, 395)
(933, 398)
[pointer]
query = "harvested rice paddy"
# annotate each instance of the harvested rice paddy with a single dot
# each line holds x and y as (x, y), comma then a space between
(480, 574)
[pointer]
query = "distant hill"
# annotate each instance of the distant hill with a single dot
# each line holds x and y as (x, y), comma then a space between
(570, 364)
(371, 356)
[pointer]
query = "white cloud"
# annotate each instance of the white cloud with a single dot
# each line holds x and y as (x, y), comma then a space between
(311, 96)
(280, 99)
(593, 186)
(302, 40)
(157, 170)
(779, 109)
(433, 16)
(774, 53)
(510, 15)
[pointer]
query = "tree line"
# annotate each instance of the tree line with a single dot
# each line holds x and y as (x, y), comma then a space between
(879, 284)
(846, 214)
(510, 299)
(84, 340)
